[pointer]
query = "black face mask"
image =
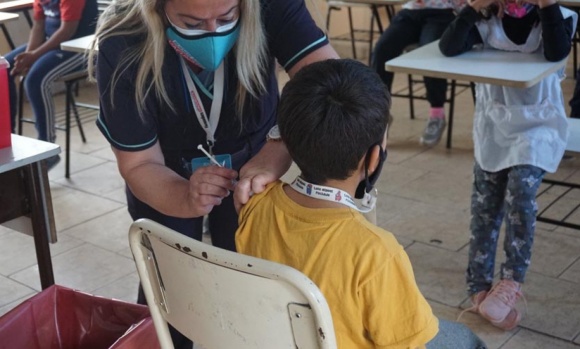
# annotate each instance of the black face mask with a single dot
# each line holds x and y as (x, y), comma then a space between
(368, 183)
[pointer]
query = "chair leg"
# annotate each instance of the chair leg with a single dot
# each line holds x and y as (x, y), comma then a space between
(77, 118)
(69, 96)
(411, 96)
(352, 38)
(20, 105)
(371, 37)
(451, 110)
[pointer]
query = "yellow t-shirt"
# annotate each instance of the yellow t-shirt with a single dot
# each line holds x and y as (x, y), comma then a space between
(363, 272)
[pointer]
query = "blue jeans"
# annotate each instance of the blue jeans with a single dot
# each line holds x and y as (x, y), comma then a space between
(409, 27)
(455, 335)
(510, 192)
(38, 86)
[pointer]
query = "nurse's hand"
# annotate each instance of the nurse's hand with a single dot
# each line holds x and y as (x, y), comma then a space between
(267, 166)
(208, 186)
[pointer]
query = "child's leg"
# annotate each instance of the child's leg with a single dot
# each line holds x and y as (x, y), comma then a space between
(38, 87)
(486, 216)
(521, 209)
(403, 31)
(455, 335)
(10, 56)
(435, 23)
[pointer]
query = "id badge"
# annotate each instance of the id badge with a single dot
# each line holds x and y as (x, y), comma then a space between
(225, 160)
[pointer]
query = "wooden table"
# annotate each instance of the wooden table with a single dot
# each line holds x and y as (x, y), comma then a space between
(25, 200)
(511, 69)
(7, 17)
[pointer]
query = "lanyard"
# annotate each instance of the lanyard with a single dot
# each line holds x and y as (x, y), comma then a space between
(209, 125)
(333, 194)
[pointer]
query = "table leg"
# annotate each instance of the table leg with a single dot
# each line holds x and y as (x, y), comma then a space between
(7, 36)
(28, 18)
(42, 219)
(451, 110)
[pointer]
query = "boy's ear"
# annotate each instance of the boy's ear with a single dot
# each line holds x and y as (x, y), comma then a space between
(374, 158)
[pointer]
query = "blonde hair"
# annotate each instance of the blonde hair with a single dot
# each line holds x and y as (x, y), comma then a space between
(147, 18)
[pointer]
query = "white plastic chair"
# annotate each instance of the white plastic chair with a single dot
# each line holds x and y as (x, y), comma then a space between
(222, 299)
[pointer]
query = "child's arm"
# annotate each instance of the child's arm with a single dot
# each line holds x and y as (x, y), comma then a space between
(462, 34)
(556, 31)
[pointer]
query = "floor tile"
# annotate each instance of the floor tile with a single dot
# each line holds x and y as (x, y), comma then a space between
(438, 189)
(572, 273)
(11, 291)
(86, 268)
(395, 175)
(439, 273)
(105, 153)
(552, 306)
(456, 163)
(553, 253)
(125, 288)
(17, 250)
(109, 231)
(117, 195)
(77, 207)
(531, 340)
(78, 162)
(428, 223)
(100, 179)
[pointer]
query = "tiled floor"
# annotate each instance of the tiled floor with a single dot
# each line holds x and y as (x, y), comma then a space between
(424, 200)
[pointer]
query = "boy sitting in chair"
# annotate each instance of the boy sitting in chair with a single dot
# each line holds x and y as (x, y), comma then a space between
(333, 119)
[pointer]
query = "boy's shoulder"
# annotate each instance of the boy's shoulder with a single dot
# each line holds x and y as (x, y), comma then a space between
(259, 199)
(377, 238)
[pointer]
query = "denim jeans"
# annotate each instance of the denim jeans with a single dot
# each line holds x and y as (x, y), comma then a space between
(455, 335)
(409, 27)
(511, 193)
(38, 86)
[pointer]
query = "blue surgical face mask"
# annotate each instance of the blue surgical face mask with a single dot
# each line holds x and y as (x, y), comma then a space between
(203, 48)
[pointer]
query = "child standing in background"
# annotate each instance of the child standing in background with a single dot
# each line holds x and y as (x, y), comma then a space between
(519, 135)
(419, 22)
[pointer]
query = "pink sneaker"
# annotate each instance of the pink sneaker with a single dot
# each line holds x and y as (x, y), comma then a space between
(499, 305)
(476, 300)
(511, 320)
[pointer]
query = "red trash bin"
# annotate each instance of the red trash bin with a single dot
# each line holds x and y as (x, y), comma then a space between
(62, 318)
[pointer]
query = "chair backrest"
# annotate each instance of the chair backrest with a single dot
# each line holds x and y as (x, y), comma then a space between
(222, 299)
(103, 4)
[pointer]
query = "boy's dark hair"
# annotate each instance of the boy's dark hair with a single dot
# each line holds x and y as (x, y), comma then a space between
(330, 114)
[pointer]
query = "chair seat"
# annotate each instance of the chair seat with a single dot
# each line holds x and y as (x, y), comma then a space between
(71, 77)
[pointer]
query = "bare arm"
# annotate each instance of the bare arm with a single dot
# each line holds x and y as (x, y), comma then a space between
(38, 47)
(64, 33)
(167, 192)
(36, 37)
(273, 160)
